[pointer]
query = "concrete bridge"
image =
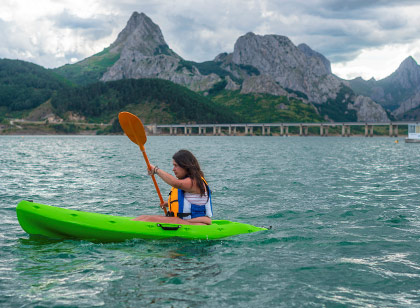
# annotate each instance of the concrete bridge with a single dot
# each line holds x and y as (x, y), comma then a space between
(281, 129)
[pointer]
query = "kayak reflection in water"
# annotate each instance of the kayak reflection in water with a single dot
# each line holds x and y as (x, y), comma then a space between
(189, 201)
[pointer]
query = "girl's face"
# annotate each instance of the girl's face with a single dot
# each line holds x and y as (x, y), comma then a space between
(179, 172)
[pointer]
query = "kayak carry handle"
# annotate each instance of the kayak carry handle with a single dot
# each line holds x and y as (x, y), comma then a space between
(169, 227)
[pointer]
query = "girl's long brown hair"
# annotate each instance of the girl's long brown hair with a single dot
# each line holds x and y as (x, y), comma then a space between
(186, 160)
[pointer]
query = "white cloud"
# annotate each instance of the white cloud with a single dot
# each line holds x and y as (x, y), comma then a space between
(376, 62)
(360, 38)
(52, 33)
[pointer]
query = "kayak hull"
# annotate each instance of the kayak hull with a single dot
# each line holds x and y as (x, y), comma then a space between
(59, 223)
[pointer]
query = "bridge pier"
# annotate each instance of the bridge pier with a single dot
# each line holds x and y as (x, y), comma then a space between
(154, 129)
(323, 130)
(217, 130)
(284, 130)
(393, 130)
(265, 130)
(303, 130)
(345, 131)
(201, 130)
(368, 130)
(174, 131)
(249, 130)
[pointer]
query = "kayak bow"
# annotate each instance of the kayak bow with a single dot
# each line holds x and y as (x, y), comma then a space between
(60, 223)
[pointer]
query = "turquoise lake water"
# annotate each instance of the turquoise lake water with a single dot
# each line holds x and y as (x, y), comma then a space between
(345, 217)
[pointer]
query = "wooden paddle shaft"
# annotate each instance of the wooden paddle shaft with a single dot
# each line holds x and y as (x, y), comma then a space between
(134, 129)
(153, 176)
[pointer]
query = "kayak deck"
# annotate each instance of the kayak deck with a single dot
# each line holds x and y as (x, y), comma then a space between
(60, 223)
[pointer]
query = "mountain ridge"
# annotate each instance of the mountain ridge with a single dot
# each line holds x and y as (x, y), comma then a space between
(259, 64)
(399, 92)
(269, 64)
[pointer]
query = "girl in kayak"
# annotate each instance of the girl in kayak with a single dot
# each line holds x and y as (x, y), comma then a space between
(190, 197)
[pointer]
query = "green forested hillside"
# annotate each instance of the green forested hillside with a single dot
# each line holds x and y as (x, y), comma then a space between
(266, 108)
(337, 109)
(156, 100)
(25, 85)
(89, 70)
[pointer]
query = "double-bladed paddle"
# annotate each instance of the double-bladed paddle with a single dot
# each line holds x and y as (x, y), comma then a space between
(134, 129)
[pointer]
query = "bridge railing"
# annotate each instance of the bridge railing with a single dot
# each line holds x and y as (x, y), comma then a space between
(268, 128)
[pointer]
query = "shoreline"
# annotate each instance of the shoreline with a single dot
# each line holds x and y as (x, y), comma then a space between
(92, 129)
(93, 133)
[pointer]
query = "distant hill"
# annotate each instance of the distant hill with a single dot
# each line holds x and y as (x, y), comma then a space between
(24, 85)
(399, 92)
(265, 79)
(269, 64)
(266, 108)
(89, 70)
(154, 100)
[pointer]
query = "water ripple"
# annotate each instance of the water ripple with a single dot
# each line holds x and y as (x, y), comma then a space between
(344, 214)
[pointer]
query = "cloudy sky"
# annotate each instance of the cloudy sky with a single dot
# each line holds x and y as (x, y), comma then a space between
(364, 38)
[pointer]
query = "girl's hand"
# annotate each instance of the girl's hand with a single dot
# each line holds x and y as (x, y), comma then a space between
(150, 171)
(165, 204)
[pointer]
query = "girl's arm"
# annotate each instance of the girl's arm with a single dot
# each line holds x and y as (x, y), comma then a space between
(200, 220)
(184, 184)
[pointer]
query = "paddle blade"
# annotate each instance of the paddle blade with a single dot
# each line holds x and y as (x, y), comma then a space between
(132, 127)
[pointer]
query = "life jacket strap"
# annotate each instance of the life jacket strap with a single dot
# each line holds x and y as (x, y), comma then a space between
(180, 215)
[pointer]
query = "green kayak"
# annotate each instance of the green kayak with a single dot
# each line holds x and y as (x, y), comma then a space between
(59, 223)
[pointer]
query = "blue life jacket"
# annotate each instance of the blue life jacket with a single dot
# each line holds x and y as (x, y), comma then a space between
(180, 207)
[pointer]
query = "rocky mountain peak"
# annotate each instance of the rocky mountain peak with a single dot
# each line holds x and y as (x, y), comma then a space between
(143, 53)
(300, 69)
(259, 64)
(141, 35)
(250, 45)
(407, 75)
(408, 64)
(309, 52)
